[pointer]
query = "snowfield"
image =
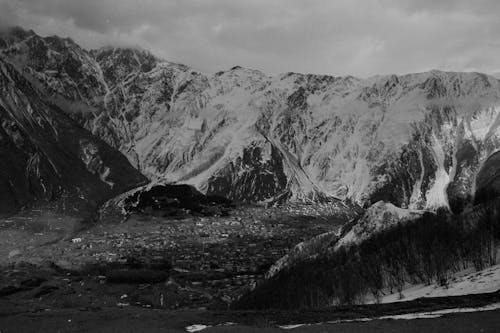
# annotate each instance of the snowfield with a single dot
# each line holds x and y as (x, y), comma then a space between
(406, 316)
(463, 283)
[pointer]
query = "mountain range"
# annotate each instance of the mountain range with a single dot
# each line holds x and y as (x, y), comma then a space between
(96, 122)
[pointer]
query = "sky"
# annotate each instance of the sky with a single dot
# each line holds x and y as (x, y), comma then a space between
(336, 37)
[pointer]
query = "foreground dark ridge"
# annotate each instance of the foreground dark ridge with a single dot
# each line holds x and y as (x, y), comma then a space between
(428, 249)
(20, 315)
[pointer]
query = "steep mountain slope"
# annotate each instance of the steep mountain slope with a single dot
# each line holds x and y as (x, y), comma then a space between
(45, 156)
(388, 252)
(488, 179)
(415, 140)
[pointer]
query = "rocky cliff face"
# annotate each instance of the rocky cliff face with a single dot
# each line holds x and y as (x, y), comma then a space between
(46, 157)
(415, 140)
(488, 180)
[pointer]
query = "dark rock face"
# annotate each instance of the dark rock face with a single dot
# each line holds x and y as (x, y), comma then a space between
(125, 61)
(460, 194)
(46, 157)
(414, 165)
(175, 200)
(488, 180)
(260, 179)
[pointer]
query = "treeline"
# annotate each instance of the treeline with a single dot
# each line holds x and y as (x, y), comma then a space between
(429, 249)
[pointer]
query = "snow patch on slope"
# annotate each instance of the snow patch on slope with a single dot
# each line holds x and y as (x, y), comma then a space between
(405, 316)
(436, 195)
(379, 217)
(462, 283)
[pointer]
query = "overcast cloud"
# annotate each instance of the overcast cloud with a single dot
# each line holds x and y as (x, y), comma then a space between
(358, 37)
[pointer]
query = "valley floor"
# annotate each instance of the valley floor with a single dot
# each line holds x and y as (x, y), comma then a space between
(206, 261)
(158, 274)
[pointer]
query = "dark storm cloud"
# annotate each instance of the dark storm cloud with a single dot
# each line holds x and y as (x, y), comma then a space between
(360, 37)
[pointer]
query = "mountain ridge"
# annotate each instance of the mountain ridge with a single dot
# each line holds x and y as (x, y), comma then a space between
(415, 140)
(46, 158)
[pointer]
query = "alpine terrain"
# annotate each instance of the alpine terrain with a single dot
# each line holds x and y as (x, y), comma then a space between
(415, 140)
(241, 190)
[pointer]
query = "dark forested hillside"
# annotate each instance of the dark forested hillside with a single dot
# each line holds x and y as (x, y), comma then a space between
(428, 249)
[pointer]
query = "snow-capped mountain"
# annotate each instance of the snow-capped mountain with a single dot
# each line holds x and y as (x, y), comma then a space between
(47, 157)
(379, 217)
(416, 140)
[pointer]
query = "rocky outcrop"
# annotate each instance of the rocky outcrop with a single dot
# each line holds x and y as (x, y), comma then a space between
(488, 180)
(172, 200)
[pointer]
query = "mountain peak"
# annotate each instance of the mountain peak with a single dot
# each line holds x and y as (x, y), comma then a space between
(253, 136)
(17, 32)
(123, 51)
(12, 35)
